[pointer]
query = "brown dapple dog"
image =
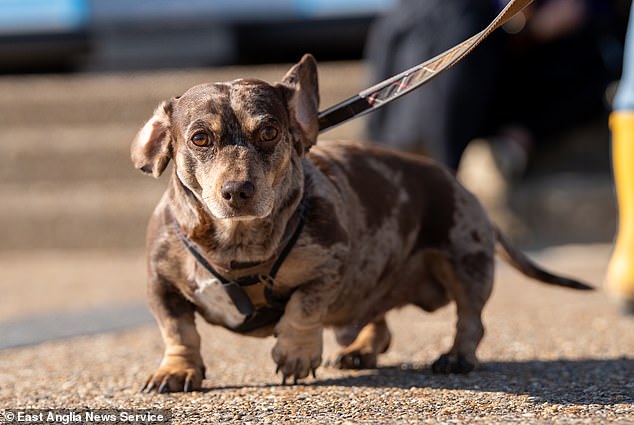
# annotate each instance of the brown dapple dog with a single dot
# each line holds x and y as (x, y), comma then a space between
(262, 236)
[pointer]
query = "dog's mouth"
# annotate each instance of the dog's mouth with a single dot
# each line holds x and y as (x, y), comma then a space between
(222, 211)
(237, 216)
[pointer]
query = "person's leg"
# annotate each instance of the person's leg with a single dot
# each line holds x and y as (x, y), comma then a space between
(442, 117)
(619, 280)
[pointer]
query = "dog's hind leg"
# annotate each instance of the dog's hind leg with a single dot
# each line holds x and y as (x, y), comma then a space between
(362, 345)
(469, 284)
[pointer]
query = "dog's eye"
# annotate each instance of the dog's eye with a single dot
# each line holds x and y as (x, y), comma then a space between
(200, 139)
(268, 134)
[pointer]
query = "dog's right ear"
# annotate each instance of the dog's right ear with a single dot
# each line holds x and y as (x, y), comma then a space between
(151, 148)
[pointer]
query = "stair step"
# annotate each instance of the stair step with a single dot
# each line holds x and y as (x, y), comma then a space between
(101, 215)
(67, 154)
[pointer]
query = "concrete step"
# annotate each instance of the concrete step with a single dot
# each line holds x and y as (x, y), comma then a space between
(53, 100)
(67, 154)
(83, 215)
(41, 101)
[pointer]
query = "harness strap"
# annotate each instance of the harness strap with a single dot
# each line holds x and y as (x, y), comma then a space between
(274, 308)
(233, 288)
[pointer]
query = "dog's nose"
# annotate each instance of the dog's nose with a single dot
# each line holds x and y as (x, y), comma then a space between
(237, 193)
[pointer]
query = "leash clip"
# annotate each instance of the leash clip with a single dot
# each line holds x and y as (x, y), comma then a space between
(267, 280)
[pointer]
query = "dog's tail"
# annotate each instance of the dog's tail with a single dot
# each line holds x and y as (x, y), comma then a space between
(521, 262)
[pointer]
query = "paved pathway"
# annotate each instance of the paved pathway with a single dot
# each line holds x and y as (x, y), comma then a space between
(549, 355)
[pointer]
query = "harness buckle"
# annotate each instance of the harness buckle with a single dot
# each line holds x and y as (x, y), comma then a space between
(267, 280)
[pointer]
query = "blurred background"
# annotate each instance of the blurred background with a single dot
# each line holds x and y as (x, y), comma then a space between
(102, 35)
(78, 78)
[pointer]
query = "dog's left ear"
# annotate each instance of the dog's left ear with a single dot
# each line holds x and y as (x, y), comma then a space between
(302, 89)
(151, 148)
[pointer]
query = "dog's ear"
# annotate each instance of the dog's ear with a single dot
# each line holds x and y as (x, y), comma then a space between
(303, 101)
(151, 148)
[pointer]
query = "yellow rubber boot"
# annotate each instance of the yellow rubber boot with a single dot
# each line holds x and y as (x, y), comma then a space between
(619, 280)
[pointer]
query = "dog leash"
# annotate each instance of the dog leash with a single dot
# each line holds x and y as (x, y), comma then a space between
(399, 85)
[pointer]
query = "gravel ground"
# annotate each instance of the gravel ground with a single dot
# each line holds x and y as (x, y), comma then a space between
(550, 356)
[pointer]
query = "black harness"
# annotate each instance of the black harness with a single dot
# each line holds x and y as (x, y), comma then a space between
(268, 308)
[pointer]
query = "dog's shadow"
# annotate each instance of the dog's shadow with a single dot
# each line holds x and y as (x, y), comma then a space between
(585, 381)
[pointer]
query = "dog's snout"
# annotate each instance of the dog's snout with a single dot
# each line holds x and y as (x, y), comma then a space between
(237, 193)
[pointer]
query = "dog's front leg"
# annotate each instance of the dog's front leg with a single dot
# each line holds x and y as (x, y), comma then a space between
(299, 345)
(182, 367)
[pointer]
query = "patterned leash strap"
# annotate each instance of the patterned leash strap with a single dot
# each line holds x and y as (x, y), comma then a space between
(388, 90)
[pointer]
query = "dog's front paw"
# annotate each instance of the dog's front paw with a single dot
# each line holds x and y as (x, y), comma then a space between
(174, 375)
(297, 352)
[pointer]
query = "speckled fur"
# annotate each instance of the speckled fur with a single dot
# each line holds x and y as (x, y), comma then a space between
(382, 230)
